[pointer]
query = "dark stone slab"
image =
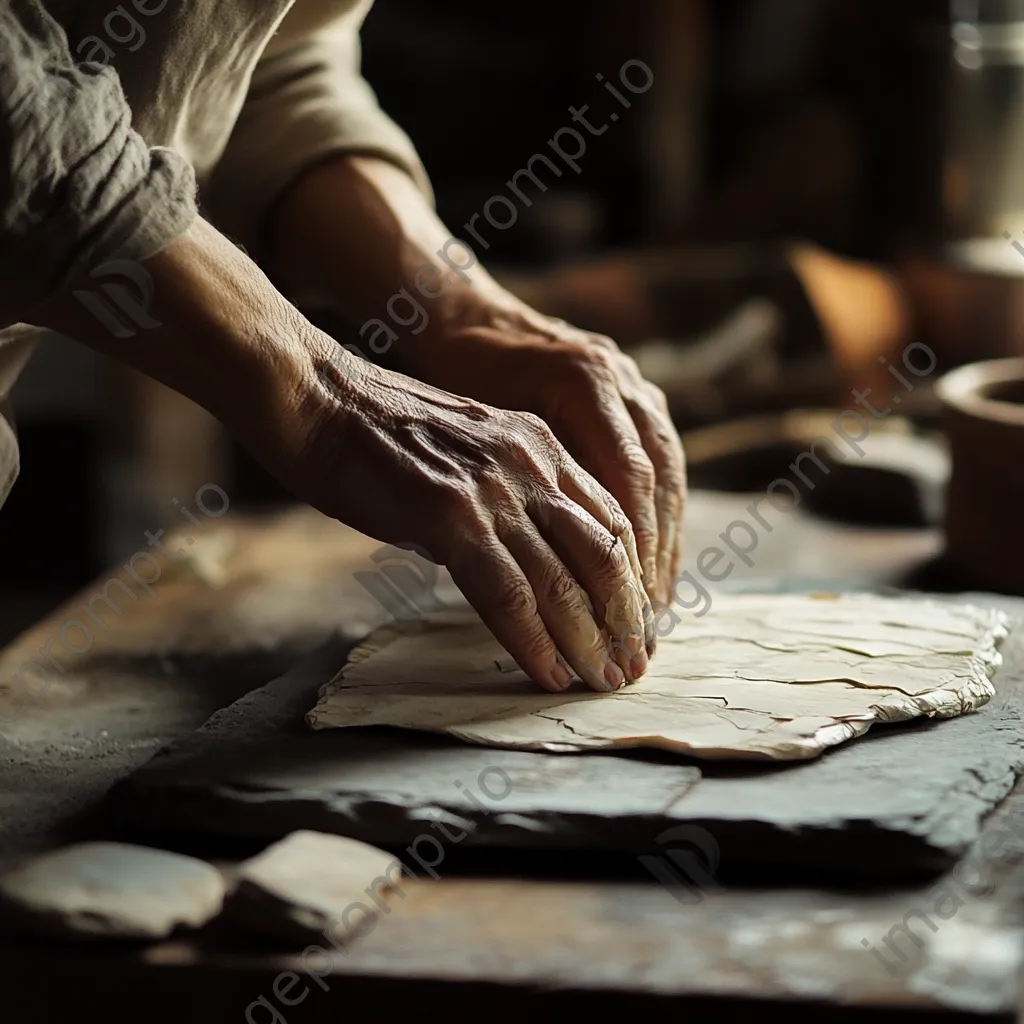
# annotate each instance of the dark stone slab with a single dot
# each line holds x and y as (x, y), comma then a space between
(903, 800)
(254, 770)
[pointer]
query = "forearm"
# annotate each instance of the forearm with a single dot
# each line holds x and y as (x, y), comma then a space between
(213, 329)
(356, 234)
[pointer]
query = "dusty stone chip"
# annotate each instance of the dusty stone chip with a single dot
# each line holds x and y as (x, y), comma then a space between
(310, 886)
(110, 890)
(775, 677)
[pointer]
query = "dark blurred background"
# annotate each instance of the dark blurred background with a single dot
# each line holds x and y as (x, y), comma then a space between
(885, 137)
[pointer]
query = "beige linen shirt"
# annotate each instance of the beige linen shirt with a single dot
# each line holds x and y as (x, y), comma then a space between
(113, 116)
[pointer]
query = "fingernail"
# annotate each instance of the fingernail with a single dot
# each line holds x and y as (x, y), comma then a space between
(631, 663)
(561, 676)
(614, 675)
(652, 633)
(639, 663)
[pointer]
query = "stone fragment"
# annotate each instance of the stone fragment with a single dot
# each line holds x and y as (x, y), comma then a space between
(110, 890)
(309, 884)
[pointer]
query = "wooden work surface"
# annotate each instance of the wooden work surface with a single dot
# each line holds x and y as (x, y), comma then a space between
(500, 940)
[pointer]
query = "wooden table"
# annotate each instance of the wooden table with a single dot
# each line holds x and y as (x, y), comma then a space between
(501, 942)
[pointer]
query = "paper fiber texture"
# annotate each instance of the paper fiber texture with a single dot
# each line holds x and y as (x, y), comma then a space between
(762, 677)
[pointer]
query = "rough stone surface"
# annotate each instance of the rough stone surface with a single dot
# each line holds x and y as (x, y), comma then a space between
(600, 945)
(110, 890)
(309, 884)
(906, 801)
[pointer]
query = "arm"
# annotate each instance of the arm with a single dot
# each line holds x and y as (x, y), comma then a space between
(531, 540)
(401, 461)
(312, 181)
(307, 102)
(357, 234)
(308, 110)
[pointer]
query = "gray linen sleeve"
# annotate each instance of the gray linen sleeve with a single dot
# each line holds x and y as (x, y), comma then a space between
(77, 185)
(307, 101)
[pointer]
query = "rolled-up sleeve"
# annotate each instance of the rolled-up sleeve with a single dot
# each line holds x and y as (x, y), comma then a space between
(77, 185)
(307, 101)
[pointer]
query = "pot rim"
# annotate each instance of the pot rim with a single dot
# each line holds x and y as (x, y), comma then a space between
(963, 389)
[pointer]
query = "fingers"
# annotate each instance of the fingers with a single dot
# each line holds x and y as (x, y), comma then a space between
(602, 435)
(599, 563)
(667, 533)
(593, 499)
(495, 585)
(565, 610)
(679, 551)
(661, 442)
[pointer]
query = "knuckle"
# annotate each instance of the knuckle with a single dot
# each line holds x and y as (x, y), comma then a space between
(603, 343)
(602, 363)
(466, 528)
(655, 421)
(673, 484)
(514, 598)
(629, 371)
(623, 528)
(657, 396)
(535, 427)
(530, 419)
(645, 535)
(619, 519)
(587, 361)
(640, 469)
(557, 587)
(609, 552)
(642, 529)
(458, 504)
(519, 442)
(618, 564)
(675, 472)
(630, 365)
(505, 503)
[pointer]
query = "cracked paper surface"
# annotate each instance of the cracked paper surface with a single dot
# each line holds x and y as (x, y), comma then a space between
(763, 677)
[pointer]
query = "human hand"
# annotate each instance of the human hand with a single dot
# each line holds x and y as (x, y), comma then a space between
(592, 395)
(356, 234)
(540, 549)
(543, 552)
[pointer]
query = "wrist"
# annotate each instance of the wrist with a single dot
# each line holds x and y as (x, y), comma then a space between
(238, 331)
(464, 308)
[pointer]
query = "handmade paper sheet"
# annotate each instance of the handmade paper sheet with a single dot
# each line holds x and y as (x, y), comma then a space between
(761, 677)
